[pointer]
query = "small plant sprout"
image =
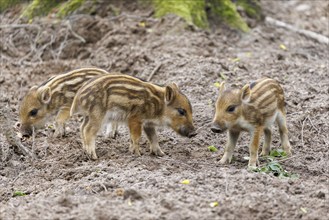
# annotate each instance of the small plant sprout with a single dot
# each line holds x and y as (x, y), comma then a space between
(273, 165)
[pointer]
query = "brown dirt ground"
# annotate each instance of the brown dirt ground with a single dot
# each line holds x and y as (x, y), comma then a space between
(64, 184)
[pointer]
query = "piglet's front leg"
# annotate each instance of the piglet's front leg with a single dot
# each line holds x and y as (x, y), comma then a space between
(253, 147)
(232, 140)
(153, 139)
(62, 116)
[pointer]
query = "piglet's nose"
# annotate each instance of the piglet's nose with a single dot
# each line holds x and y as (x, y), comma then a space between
(26, 135)
(17, 125)
(215, 128)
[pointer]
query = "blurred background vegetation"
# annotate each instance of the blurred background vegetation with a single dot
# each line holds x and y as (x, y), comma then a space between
(196, 12)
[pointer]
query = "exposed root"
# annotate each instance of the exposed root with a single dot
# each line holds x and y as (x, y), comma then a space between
(310, 34)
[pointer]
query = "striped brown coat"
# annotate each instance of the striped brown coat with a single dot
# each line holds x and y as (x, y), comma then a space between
(53, 97)
(254, 108)
(130, 100)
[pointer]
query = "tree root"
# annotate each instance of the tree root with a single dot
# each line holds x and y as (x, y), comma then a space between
(310, 34)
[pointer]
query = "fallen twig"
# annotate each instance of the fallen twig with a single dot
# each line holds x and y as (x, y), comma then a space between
(68, 23)
(20, 26)
(6, 123)
(303, 132)
(102, 184)
(310, 34)
(33, 140)
(313, 124)
(226, 185)
(284, 159)
(154, 71)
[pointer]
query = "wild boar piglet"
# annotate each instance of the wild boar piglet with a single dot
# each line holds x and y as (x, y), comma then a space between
(254, 108)
(53, 97)
(140, 104)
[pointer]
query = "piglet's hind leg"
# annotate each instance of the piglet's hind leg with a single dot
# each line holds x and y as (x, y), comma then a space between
(135, 128)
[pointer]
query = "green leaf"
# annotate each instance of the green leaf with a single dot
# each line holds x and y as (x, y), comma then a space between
(19, 193)
(264, 169)
(278, 153)
(274, 153)
(274, 166)
(213, 204)
(217, 84)
(212, 148)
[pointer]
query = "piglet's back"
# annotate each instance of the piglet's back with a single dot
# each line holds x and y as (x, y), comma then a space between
(266, 96)
(120, 92)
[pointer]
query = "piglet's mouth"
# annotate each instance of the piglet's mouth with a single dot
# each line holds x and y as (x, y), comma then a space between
(187, 132)
(192, 134)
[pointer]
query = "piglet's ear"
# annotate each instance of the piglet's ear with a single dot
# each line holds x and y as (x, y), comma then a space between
(34, 88)
(170, 93)
(245, 93)
(222, 87)
(45, 95)
(175, 86)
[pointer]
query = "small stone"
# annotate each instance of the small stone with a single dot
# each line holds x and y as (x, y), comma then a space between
(321, 195)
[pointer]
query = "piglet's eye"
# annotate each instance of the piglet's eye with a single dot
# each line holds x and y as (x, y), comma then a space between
(230, 108)
(181, 111)
(33, 112)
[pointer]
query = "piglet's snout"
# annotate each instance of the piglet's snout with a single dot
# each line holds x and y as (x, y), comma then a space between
(216, 128)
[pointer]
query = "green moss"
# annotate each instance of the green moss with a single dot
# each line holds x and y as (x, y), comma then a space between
(4, 4)
(192, 11)
(68, 7)
(227, 11)
(39, 8)
(251, 7)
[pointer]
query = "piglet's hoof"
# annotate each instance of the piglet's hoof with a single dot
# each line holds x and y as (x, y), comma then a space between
(158, 152)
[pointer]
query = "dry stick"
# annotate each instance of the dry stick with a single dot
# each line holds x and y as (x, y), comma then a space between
(154, 71)
(43, 48)
(6, 122)
(310, 34)
(303, 132)
(33, 139)
(285, 159)
(102, 184)
(68, 23)
(25, 26)
(20, 26)
(312, 124)
(32, 46)
(10, 44)
(62, 45)
(226, 185)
